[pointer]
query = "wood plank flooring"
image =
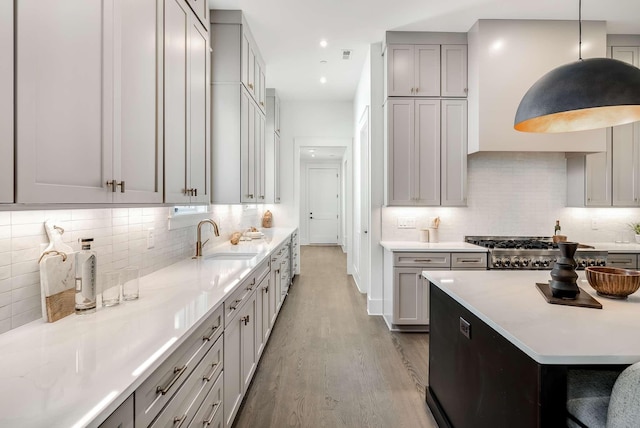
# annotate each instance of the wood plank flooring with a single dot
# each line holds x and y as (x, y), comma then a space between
(329, 364)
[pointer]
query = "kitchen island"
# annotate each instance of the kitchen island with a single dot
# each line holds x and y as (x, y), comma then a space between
(499, 353)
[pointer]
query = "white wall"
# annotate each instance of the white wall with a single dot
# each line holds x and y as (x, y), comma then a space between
(318, 123)
(119, 239)
(369, 95)
(515, 194)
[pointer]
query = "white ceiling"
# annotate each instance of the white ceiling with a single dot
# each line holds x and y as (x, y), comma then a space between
(288, 32)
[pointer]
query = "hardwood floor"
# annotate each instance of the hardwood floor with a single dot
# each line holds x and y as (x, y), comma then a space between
(329, 364)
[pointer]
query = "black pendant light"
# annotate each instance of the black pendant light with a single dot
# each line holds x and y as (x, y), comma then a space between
(586, 94)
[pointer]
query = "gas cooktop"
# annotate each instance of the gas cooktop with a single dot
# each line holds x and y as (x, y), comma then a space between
(530, 253)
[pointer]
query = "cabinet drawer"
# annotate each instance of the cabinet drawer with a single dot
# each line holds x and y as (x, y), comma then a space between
(426, 260)
(468, 261)
(625, 261)
(183, 406)
(122, 417)
(158, 389)
(238, 298)
(210, 413)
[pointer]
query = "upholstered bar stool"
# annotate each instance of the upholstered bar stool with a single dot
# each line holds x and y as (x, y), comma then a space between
(604, 399)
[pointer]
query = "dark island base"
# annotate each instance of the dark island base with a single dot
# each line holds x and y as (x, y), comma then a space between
(479, 379)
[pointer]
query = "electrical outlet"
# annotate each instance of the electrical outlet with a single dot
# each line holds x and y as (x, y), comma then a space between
(151, 238)
(594, 224)
(406, 222)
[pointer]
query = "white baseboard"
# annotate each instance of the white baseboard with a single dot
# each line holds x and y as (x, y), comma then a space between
(374, 306)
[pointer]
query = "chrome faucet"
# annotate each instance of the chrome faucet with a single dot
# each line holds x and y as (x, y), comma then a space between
(199, 243)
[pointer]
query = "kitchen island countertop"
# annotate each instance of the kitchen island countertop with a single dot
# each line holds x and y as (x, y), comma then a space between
(76, 371)
(510, 303)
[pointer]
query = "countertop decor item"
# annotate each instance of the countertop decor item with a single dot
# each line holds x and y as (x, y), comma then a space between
(636, 229)
(612, 282)
(582, 300)
(57, 275)
(587, 94)
(563, 275)
(267, 219)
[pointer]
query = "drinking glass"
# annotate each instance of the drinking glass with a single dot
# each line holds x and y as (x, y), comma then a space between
(109, 284)
(130, 283)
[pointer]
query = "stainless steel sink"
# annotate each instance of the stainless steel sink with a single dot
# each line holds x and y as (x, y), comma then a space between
(230, 256)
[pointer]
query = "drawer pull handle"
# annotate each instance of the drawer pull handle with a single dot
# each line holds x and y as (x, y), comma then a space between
(233, 308)
(177, 421)
(213, 367)
(424, 260)
(213, 333)
(620, 262)
(177, 372)
(214, 410)
(469, 260)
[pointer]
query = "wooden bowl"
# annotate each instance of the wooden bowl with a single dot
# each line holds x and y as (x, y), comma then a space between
(613, 282)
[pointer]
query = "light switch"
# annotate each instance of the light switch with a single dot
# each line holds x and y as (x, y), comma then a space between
(406, 222)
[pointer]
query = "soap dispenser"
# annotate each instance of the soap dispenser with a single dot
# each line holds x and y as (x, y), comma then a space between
(86, 266)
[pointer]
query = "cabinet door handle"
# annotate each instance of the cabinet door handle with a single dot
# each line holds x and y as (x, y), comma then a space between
(213, 333)
(213, 367)
(177, 372)
(121, 184)
(179, 420)
(250, 85)
(266, 289)
(245, 320)
(250, 196)
(195, 192)
(113, 185)
(214, 408)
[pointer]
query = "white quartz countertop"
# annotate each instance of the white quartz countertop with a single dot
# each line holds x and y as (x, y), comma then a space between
(510, 303)
(451, 247)
(76, 371)
(612, 247)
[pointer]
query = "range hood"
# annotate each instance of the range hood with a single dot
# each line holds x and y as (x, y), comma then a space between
(506, 57)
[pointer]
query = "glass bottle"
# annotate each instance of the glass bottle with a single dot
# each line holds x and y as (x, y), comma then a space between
(86, 264)
(557, 228)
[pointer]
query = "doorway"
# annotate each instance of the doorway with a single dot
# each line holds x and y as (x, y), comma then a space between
(323, 203)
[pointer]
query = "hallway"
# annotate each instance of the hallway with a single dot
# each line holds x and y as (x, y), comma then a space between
(329, 364)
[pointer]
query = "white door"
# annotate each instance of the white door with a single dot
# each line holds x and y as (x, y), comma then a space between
(6, 101)
(323, 196)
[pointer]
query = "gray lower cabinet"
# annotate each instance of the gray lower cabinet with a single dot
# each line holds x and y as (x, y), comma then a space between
(622, 260)
(406, 294)
(167, 382)
(122, 417)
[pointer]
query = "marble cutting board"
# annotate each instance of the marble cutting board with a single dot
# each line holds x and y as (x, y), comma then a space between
(57, 278)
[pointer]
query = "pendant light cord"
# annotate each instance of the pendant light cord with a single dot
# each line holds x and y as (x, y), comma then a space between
(580, 30)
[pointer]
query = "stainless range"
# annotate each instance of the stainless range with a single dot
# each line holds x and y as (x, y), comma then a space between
(531, 253)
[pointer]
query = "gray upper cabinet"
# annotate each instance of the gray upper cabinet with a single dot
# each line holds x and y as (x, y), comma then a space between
(186, 105)
(610, 178)
(201, 9)
(238, 115)
(425, 70)
(90, 133)
(453, 71)
(272, 147)
(6, 102)
(426, 152)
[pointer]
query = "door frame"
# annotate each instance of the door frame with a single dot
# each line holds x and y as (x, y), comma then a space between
(300, 143)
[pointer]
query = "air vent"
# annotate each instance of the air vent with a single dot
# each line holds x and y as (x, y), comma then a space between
(346, 53)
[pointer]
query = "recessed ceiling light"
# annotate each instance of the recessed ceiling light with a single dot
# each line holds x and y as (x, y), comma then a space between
(313, 156)
(323, 80)
(323, 43)
(311, 150)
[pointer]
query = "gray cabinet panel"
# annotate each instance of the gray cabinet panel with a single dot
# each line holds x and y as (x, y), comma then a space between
(6, 102)
(401, 152)
(454, 153)
(426, 162)
(454, 71)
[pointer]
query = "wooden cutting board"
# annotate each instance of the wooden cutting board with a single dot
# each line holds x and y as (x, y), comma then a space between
(57, 279)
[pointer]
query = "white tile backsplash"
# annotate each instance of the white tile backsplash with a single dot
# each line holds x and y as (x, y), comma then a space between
(120, 239)
(514, 194)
